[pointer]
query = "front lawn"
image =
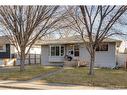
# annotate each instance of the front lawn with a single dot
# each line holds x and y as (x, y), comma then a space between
(13, 73)
(103, 77)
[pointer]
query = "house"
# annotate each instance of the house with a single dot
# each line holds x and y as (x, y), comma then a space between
(123, 47)
(54, 51)
(8, 51)
(122, 54)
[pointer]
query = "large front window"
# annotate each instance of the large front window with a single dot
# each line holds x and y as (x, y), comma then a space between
(57, 50)
(2, 48)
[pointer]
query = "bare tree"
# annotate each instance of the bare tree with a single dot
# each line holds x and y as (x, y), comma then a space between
(24, 25)
(65, 33)
(95, 24)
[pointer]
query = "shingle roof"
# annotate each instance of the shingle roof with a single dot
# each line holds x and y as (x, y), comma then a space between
(69, 40)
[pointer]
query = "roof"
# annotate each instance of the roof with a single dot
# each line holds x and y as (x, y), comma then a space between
(71, 40)
(66, 40)
(4, 40)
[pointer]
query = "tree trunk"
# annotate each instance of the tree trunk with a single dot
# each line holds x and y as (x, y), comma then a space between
(92, 60)
(22, 60)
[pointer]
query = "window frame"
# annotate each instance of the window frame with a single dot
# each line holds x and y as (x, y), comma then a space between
(60, 53)
(75, 50)
(100, 50)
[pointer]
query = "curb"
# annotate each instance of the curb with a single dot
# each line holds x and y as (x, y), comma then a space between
(23, 88)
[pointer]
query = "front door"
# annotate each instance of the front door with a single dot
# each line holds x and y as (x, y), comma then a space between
(73, 50)
(70, 50)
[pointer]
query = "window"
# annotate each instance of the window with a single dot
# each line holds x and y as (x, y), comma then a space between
(1, 47)
(57, 50)
(53, 51)
(76, 50)
(62, 51)
(73, 50)
(102, 47)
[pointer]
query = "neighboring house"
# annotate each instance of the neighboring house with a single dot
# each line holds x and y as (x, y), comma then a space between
(8, 51)
(122, 54)
(35, 49)
(54, 51)
(123, 47)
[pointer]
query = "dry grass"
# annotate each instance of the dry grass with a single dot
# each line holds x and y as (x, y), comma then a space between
(29, 73)
(103, 77)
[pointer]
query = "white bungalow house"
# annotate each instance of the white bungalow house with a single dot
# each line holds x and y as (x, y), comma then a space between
(53, 51)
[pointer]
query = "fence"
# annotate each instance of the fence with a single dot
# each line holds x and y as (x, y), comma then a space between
(31, 59)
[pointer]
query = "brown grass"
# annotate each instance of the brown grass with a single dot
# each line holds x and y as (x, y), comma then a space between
(29, 73)
(103, 77)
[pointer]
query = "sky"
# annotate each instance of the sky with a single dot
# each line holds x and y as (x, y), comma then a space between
(120, 27)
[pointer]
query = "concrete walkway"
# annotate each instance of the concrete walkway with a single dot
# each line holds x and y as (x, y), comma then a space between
(41, 76)
(37, 85)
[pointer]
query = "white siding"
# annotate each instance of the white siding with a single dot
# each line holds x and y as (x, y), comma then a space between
(106, 58)
(45, 55)
(103, 58)
(35, 50)
(121, 59)
(83, 53)
(56, 58)
(12, 49)
(123, 46)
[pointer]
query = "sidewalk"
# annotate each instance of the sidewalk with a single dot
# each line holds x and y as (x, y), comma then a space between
(37, 85)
